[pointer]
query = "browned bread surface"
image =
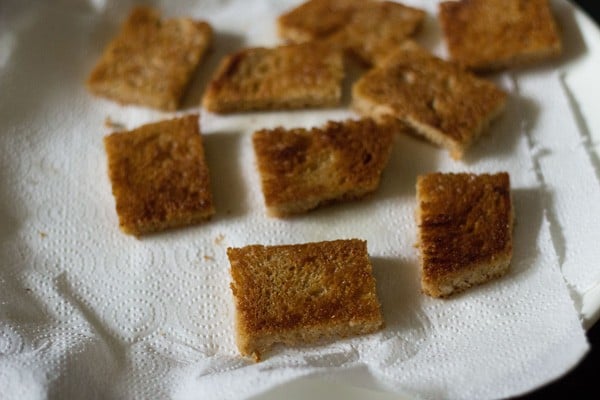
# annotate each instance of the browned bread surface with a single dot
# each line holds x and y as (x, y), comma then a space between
(465, 230)
(151, 61)
(368, 29)
(303, 293)
(159, 176)
(493, 34)
(378, 29)
(301, 169)
(439, 100)
(284, 77)
(316, 19)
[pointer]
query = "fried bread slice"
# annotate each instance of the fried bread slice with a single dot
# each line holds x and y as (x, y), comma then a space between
(377, 30)
(302, 293)
(488, 35)
(367, 29)
(301, 169)
(151, 61)
(439, 100)
(284, 77)
(465, 230)
(159, 176)
(316, 19)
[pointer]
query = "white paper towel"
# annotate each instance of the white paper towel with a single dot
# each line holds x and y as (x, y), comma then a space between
(88, 312)
(573, 199)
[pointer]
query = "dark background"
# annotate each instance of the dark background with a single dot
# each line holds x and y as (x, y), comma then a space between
(582, 382)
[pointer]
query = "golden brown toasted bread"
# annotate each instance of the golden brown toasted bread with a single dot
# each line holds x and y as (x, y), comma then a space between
(492, 34)
(303, 293)
(159, 176)
(465, 230)
(439, 100)
(285, 77)
(316, 19)
(151, 61)
(301, 169)
(378, 29)
(368, 29)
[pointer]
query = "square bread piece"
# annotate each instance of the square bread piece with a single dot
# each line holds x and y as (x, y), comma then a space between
(493, 34)
(303, 293)
(151, 61)
(439, 100)
(301, 169)
(284, 77)
(465, 230)
(368, 29)
(159, 176)
(378, 29)
(316, 19)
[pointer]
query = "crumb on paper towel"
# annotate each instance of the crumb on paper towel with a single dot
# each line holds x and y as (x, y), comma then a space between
(43, 234)
(109, 123)
(219, 239)
(208, 258)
